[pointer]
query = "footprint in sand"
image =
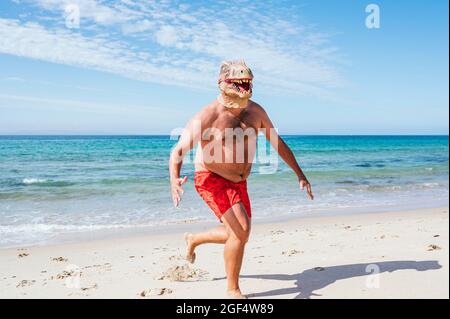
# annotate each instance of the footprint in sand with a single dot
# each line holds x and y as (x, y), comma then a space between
(105, 265)
(94, 286)
(176, 257)
(60, 259)
(433, 247)
(292, 252)
(65, 274)
(25, 283)
(155, 292)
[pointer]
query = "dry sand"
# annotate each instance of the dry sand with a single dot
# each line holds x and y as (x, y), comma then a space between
(382, 255)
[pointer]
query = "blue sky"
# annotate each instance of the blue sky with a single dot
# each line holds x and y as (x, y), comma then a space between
(144, 67)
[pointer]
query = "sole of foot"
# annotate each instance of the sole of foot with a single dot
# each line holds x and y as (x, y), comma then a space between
(189, 257)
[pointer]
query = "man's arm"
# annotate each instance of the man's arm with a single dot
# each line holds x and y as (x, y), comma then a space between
(285, 152)
(188, 139)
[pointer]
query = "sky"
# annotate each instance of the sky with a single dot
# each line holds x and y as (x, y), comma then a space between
(145, 67)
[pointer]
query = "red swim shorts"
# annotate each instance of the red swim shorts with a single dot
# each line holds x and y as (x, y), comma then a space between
(221, 194)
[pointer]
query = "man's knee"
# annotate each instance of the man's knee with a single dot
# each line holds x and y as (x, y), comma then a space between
(246, 233)
(242, 235)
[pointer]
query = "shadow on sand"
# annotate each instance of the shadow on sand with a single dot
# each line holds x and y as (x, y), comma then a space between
(314, 279)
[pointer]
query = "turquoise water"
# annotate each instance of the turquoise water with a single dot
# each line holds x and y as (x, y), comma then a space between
(52, 185)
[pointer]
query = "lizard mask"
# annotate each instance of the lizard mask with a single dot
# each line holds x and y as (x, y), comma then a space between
(235, 84)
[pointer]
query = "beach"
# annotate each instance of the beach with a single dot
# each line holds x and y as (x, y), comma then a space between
(92, 217)
(392, 254)
(127, 125)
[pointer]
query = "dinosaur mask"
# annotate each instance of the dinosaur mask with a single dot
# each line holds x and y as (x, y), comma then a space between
(235, 80)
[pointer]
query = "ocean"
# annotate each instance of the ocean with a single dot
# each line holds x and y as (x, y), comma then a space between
(61, 185)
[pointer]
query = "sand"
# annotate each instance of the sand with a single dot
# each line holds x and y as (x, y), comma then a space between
(379, 255)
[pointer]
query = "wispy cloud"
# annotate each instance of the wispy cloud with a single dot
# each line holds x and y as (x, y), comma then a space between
(172, 42)
(12, 79)
(89, 107)
(51, 84)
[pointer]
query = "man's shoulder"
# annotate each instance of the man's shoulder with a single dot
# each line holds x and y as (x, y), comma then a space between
(257, 108)
(207, 112)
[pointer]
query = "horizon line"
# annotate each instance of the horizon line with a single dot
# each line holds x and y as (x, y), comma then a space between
(295, 134)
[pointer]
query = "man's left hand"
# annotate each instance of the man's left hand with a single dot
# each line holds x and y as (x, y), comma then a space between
(305, 184)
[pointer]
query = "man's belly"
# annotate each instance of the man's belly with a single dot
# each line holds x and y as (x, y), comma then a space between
(227, 164)
(234, 172)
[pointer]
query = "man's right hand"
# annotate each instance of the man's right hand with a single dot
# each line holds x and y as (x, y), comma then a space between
(177, 190)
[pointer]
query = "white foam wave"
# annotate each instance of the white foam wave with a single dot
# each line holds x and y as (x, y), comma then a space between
(60, 228)
(30, 181)
(427, 185)
(45, 228)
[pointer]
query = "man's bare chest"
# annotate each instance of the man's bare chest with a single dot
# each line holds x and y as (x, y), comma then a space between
(228, 124)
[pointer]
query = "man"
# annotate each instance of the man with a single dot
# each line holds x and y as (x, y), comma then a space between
(226, 133)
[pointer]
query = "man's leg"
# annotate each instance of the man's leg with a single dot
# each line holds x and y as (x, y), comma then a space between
(237, 225)
(217, 235)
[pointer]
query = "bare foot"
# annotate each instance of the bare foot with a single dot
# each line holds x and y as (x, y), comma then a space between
(190, 254)
(235, 294)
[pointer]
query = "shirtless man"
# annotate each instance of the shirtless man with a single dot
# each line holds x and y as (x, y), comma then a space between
(226, 131)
